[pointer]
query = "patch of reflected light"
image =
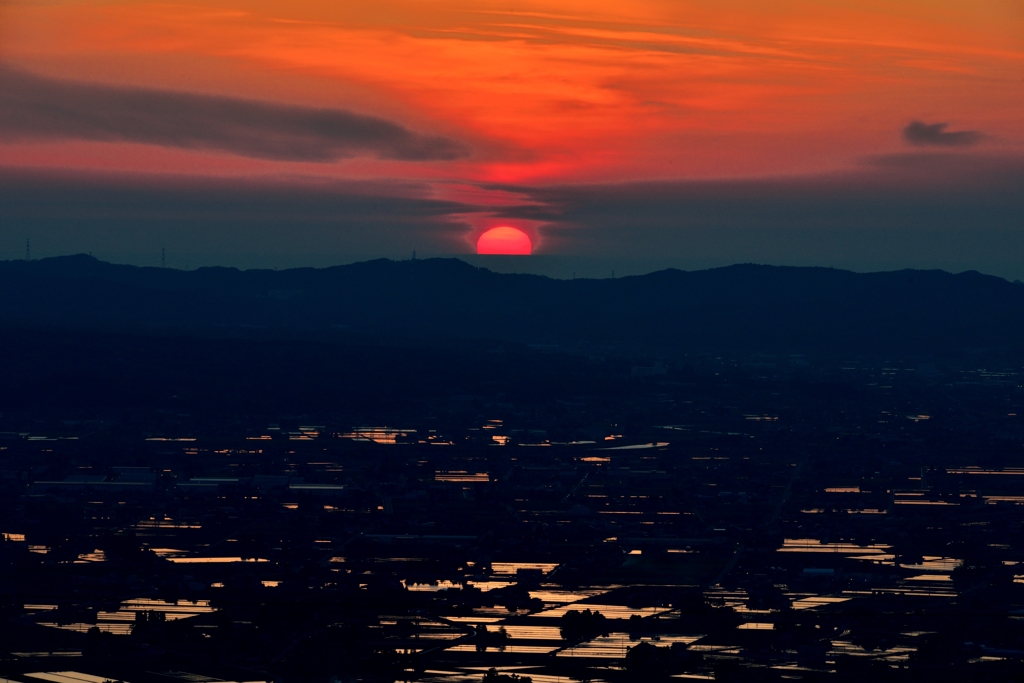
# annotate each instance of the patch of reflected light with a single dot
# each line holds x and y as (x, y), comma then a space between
(637, 447)
(489, 585)
(813, 545)
(34, 607)
(883, 559)
(182, 609)
(609, 611)
(430, 587)
(510, 568)
(215, 560)
(933, 503)
(165, 524)
(743, 609)
(67, 677)
(934, 563)
(932, 591)
(95, 556)
(818, 601)
(442, 637)
(893, 654)
(500, 612)
(115, 629)
(461, 476)
(616, 645)
(121, 622)
(383, 435)
(533, 632)
(473, 674)
(565, 596)
(511, 649)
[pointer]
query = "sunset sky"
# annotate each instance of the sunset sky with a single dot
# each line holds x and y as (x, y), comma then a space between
(874, 134)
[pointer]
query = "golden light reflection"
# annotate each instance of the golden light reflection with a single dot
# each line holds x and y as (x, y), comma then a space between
(382, 435)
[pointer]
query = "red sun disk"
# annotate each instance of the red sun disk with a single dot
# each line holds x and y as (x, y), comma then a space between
(504, 240)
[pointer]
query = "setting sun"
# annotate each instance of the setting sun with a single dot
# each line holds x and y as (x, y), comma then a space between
(504, 240)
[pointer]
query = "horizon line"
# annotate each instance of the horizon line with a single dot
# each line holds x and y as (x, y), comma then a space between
(521, 258)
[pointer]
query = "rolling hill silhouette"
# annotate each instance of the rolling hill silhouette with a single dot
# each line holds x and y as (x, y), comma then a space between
(736, 308)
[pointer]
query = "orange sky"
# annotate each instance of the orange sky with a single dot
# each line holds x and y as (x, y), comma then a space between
(552, 91)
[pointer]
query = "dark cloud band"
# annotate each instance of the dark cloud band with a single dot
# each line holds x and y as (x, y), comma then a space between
(35, 107)
(922, 210)
(920, 133)
(240, 221)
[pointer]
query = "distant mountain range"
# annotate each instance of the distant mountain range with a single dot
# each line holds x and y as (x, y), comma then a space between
(737, 308)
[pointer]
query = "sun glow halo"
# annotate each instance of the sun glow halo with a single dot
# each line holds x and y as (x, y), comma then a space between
(504, 240)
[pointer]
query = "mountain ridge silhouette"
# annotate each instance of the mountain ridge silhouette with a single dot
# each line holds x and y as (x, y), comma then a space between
(739, 307)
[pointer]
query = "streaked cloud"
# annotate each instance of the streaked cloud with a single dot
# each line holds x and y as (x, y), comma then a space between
(35, 107)
(558, 91)
(920, 133)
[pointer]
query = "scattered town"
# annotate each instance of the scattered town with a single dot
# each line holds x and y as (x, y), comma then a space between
(753, 519)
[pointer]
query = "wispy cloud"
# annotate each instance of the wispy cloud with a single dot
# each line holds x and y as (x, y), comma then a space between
(32, 106)
(920, 133)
